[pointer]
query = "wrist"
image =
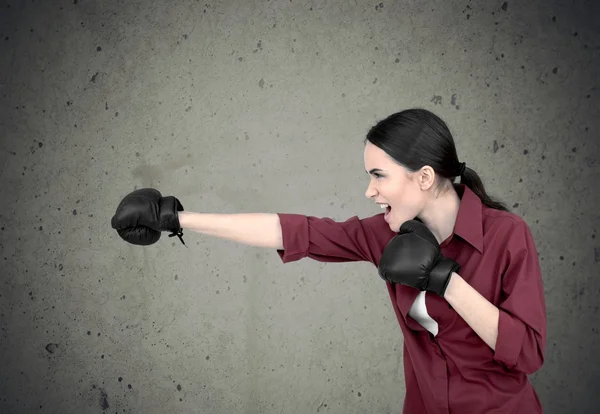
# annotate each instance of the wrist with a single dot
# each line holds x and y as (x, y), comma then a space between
(184, 217)
(453, 283)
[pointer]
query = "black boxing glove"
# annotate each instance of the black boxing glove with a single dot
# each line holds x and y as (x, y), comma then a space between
(413, 258)
(143, 214)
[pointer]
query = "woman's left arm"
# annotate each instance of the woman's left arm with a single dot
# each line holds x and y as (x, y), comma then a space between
(515, 328)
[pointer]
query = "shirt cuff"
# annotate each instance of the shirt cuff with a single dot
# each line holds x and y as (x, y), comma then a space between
(294, 232)
(511, 332)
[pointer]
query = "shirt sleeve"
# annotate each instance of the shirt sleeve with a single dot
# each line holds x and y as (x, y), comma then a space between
(326, 240)
(521, 338)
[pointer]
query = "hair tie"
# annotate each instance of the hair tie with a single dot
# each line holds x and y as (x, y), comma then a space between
(463, 167)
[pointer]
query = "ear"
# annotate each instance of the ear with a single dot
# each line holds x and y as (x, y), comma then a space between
(426, 177)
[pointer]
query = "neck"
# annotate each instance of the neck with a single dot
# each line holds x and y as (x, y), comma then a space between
(440, 214)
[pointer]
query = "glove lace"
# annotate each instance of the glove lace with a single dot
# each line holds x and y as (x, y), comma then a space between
(178, 233)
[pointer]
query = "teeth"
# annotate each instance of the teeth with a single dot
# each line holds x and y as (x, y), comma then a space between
(384, 205)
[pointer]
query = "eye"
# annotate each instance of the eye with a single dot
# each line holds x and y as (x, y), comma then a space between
(377, 175)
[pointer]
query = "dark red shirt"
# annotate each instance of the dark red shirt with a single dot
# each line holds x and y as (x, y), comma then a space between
(454, 371)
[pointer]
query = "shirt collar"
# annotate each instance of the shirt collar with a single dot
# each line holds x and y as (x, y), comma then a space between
(469, 222)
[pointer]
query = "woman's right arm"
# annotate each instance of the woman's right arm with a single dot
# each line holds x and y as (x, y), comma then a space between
(253, 229)
(296, 236)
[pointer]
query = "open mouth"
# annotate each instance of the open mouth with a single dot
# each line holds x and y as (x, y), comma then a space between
(388, 209)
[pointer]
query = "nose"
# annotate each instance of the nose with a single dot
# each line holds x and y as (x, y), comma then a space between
(370, 193)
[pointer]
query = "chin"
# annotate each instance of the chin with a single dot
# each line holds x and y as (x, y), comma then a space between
(395, 224)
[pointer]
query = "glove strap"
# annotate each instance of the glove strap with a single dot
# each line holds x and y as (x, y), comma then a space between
(440, 275)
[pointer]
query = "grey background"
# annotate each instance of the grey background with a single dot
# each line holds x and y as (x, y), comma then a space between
(262, 106)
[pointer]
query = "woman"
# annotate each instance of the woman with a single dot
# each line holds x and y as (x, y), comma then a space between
(461, 270)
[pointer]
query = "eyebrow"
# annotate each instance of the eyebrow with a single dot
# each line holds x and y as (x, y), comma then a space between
(374, 170)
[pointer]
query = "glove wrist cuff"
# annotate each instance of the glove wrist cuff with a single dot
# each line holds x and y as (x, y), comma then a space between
(169, 219)
(440, 276)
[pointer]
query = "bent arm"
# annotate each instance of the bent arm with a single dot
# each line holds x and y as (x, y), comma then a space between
(253, 229)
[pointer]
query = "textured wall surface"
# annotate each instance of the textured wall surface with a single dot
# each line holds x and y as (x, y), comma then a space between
(262, 106)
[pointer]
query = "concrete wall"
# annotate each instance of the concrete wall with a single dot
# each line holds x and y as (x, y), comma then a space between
(262, 106)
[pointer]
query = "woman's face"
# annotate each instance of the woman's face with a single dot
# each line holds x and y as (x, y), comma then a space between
(394, 185)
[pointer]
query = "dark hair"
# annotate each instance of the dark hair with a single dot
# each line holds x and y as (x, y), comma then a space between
(417, 137)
